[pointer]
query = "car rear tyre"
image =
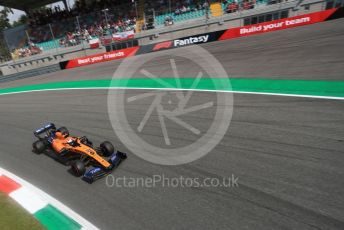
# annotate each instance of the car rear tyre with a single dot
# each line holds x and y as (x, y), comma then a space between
(78, 168)
(64, 131)
(107, 148)
(38, 147)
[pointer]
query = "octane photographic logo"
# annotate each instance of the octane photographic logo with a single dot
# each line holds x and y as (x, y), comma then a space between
(161, 115)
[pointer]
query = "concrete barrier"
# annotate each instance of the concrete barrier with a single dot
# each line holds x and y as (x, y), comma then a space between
(31, 73)
(40, 61)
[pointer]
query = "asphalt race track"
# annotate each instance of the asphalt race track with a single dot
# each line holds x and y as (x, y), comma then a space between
(287, 152)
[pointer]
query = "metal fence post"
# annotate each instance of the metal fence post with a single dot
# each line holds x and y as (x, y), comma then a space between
(323, 5)
(28, 37)
(52, 35)
(82, 40)
(107, 23)
(137, 14)
(240, 16)
(9, 50)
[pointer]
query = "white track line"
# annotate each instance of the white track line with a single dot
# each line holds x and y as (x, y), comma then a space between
(175, 89)
(30, 201)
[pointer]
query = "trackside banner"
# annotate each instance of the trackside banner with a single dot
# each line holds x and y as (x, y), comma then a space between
(277, 24)
(97, 58)
(181, 42)
(241, 31)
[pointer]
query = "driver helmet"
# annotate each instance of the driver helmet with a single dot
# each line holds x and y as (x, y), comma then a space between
(71, 142)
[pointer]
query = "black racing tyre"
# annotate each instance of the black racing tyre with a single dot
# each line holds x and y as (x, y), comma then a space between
(64, 131)
(78, 168)
(107, 148)
(38, 147)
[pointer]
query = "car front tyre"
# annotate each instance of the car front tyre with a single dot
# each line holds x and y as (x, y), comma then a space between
(107, 148)
(78, 168)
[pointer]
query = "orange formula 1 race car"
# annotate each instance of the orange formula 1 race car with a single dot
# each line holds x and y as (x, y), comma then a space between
(77, 152)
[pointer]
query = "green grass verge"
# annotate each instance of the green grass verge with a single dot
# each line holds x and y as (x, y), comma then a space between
(274, 86)
(13, 216)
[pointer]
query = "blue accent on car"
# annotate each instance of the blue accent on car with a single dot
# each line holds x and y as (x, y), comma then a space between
(113, 157)
(49, 126)
(39, 130)
(45, 128)
(50, 139)
(92, 171)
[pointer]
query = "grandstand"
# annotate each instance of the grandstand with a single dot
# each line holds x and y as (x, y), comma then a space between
(193, 14)
(48, 28)
(55, 34)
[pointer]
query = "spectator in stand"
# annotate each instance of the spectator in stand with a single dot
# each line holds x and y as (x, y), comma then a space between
(232, 7)
(70, 39)
(246, 5)
(99, 31)
(144, 26)
(86, 35)
(33, 48)
(206, 5)
(206, 8)
(183, 9)
(30, 50)
(168, 21)
(62, 42)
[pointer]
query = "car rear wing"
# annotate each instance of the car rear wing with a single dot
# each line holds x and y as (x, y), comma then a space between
(44, 129)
